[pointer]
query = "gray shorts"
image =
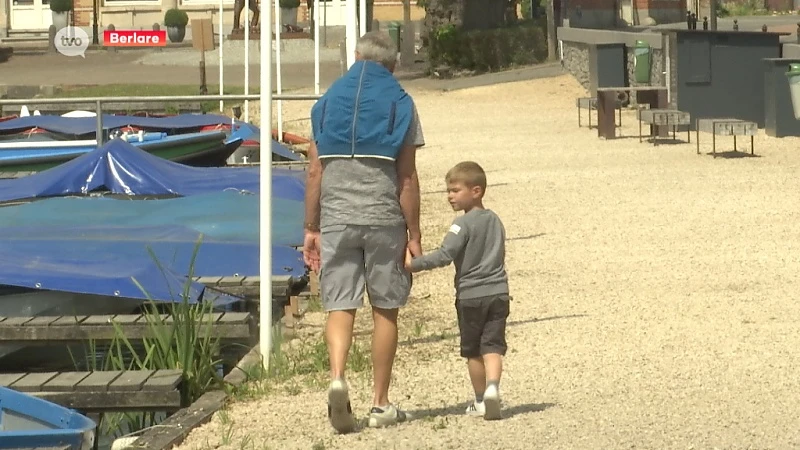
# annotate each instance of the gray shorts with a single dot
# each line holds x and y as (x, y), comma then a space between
(355, 255)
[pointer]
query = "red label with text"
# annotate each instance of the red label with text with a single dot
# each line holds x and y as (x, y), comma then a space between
(134, 38)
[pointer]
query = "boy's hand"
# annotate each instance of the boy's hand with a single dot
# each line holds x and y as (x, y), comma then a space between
(408, 260)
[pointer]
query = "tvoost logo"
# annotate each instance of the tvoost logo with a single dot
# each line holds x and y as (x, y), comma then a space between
(71, 41)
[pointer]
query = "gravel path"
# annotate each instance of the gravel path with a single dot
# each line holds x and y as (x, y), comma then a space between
(654, 293)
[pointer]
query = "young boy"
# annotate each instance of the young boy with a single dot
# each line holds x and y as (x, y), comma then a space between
(476, 243)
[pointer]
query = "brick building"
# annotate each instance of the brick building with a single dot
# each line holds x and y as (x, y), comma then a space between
(30, 15)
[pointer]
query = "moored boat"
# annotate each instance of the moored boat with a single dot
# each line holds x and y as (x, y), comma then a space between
(30, 422)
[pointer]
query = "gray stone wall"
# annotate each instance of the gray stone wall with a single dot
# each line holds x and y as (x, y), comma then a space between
(576, 61)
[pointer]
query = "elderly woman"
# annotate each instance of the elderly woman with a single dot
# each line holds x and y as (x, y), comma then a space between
(362, 212)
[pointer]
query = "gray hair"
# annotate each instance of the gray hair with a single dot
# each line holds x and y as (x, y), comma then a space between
(378, 46)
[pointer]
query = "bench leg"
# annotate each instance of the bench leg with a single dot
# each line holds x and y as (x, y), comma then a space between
(751, 145)
(579, 115)
(734, 143)
(697, 134)
(714, 143)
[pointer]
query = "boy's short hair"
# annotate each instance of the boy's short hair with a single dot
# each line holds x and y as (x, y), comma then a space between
(468, 172)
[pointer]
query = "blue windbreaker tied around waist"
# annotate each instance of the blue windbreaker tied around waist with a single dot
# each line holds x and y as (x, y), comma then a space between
(364, 114)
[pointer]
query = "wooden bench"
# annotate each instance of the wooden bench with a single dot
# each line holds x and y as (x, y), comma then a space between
(102, 391)
(48, 330)
(590, 103)
(725, 126)
(664, 117)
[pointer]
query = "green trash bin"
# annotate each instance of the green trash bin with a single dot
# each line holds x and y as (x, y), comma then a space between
(641, 62)
(395, 30)
(793, 75)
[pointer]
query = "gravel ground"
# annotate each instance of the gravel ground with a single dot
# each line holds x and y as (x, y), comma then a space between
(654, 293)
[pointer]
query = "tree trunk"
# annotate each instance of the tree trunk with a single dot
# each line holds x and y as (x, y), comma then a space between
(407, 49)
(551, 31)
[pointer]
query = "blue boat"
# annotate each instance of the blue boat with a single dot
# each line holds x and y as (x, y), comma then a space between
(83, 238)
(46, 138)
(30, 422)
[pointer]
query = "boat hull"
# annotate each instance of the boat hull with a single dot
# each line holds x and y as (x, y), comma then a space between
(30, 422)
(198, 149)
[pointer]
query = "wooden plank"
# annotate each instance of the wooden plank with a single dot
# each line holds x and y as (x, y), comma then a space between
(176, 427)
(230, 281)
(125, 319)
(41, 320)
(65, 381)
(15, 321)
(2, 319)
(43, 334)
(108, 401)
(163, 380)
(97, 381)
(68, 320)
(7, 379)
(131, 380)
(32, 382)
(98, 320)
(232, 318)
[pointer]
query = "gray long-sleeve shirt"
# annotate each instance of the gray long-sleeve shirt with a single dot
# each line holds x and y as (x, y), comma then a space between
(476, 243)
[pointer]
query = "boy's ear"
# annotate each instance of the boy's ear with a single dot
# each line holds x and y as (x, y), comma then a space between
(476, 190)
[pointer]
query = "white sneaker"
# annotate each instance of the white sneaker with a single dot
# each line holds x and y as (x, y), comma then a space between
(491, 401)
(340, 413)
(476, 409)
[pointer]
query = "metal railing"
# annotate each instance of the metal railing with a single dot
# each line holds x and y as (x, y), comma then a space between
(99, 101)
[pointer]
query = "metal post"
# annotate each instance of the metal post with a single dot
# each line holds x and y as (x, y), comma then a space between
(265, 198)
(99, 130)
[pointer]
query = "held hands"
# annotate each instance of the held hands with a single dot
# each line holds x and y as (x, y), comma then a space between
(311, 249)
(408, 260)
(413, 248)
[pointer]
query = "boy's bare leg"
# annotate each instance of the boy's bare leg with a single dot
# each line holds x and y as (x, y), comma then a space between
(339, 337)
(493, 363)
(491, 396)
(384, 347)
(477, 375)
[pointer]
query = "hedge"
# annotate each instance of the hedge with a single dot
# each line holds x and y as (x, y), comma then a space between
(488, 50)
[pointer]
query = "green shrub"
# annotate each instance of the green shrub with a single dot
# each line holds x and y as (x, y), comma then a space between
(176, 18)
(289, 3)
(60, 5)
(488, 50)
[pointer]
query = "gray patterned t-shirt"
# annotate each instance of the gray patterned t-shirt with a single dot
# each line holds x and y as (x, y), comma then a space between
(364, 191)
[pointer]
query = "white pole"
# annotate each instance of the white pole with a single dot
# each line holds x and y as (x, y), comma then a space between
(316, 47)
(278, 67)
(246, 10)
(221, 77)
(351, 31)
(362, 17)
(265, 199)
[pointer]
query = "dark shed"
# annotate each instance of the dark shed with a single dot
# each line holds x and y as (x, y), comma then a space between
(720, 73)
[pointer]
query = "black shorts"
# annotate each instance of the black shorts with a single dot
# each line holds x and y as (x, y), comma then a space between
(482, 324)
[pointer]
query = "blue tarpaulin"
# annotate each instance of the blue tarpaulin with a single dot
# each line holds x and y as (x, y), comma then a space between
(95, 245)
(228, 216)
(105, 261)
(121, 168)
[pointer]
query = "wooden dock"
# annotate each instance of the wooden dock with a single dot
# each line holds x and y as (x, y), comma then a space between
(102, 391)
(50, 330)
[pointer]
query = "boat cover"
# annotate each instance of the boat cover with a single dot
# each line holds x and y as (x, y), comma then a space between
(230, 216)
(122, 168)
(82, 126)
(100, 245)
(86, 127)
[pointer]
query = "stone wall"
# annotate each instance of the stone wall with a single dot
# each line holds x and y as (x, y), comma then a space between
(576, 61)
(575, 50)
